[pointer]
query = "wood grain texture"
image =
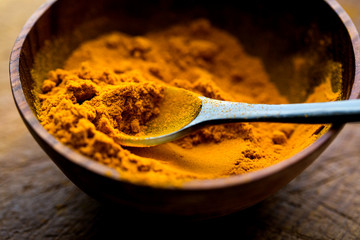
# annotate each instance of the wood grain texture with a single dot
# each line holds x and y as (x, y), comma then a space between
(38, 202)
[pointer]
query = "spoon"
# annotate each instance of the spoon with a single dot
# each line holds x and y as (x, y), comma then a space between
(195, 111)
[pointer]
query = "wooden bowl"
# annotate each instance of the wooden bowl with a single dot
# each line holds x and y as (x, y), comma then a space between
(268, 30)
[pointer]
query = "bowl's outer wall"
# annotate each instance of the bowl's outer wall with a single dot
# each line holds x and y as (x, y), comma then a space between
(196, 204)
(253, 25)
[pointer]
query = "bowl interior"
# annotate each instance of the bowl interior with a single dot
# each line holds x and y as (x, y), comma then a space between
(274, 32)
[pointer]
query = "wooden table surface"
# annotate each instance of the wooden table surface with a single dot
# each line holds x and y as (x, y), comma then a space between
(38, 202)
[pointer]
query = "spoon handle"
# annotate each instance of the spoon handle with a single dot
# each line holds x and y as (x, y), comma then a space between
(216, 111)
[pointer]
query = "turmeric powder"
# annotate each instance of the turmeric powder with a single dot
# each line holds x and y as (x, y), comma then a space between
(115, 84)
(178, 109)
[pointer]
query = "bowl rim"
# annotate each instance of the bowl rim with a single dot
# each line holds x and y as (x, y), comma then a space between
(31, 121)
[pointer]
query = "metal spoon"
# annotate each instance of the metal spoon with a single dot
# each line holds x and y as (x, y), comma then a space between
(213, 111)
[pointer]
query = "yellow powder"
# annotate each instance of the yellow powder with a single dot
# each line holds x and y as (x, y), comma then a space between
(115, 84)
(178, 108)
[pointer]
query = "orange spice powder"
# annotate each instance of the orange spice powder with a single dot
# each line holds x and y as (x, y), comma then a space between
(115, 84)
